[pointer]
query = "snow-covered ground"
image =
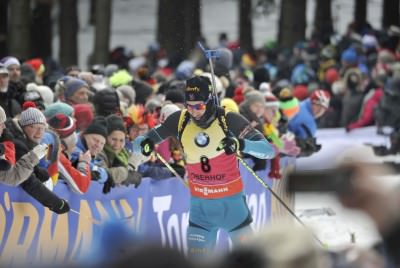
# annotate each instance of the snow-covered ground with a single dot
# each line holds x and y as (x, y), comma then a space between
(134, 22)
(334, 225)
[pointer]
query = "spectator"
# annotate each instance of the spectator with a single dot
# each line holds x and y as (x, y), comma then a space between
(93, 139)
(28, 132)
(11, 172)
(77, 174)
(115, 158)
(8, 99)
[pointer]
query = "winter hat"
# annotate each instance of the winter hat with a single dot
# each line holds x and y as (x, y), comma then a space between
(98, 126)
(261, 75)
(37, 65)
(83, 114)
(119, 78)
(175, 96)
(331, 75)
(271, 100)
(31, 116)
(167, 110)
(72, 85)
(3, 116)
(62, 124)
(300, 92)
(127, 92)
(8, 61)
(184, 70)
(115, 122)
(230, 105)
(349, 56)
(369, 41)
(198, 88)
(106, 102)
(58, 107)
(45, 92)
(143, 91)
(3, 69)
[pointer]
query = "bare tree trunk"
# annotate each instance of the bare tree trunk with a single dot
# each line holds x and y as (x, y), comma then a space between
(360, 14)
(192, 25)
(292, 23)
(323, 26)
(3, 27)
(92, 12)
(41, 32)
(170, 30)
(390, 14)
(102, 35)
(68, 32)
(20, 19)
(245, 25)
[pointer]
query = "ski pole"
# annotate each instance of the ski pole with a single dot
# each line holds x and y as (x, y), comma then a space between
(212, 54)
(172, 169)
(266, 186)
(86, 217)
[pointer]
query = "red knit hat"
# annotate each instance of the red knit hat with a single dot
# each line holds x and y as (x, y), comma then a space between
(83, 114)
(62, 124)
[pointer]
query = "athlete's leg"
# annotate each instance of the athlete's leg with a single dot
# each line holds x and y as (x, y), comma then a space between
(200, 241)
(239, 236)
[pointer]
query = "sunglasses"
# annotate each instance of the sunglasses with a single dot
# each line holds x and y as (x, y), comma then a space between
(198, 106)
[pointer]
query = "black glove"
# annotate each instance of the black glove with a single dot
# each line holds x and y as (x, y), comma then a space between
(61, 208)
(108, 185)
(179, 169)
(95, 175)
(231, 145)
(134, 178)
(147, 146)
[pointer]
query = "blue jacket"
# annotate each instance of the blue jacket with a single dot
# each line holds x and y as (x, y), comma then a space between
(303, 117)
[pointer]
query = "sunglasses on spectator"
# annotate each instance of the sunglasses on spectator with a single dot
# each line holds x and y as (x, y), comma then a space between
(199, 106)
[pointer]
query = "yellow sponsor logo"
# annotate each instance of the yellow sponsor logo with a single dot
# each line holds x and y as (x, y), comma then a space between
(192, 89)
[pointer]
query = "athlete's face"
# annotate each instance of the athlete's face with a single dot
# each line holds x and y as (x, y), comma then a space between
(196, 108)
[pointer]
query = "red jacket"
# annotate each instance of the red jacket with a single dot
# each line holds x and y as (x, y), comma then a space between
(366, 116)
(77, 180)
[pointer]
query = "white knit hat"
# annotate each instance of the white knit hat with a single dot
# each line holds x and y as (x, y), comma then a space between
(31, 116)
(167, 110)
(3, 115)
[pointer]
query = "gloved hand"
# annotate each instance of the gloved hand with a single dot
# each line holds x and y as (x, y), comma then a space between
(289, 147)
(40, 150)
(108, 185)
(134, 177)
(99, 174)
(61, 208)
(231, 145)
(136, 159)
(143, 145)
(179, 169)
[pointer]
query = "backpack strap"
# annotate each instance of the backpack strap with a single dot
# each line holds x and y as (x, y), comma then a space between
(221, 116)
(183, 120)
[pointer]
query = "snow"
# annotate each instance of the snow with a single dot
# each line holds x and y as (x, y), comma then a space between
(332, 223)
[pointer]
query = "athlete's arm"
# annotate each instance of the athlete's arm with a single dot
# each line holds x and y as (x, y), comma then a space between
(166, 129)
(255, 143)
